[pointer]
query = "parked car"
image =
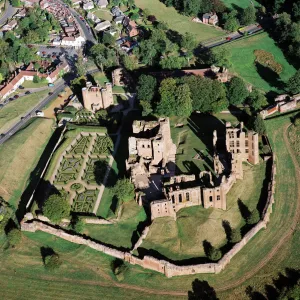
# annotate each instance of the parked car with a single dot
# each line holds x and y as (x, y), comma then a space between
(16, 96)
(50, 84)
(21, 87)
(27, 92)
(50, 93)
(44, 52)
(228, 38)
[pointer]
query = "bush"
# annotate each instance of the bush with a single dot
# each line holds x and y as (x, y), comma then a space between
(235, 236)
(297, 121)
(52, 262)
(214, 254)
(77, 224)
(119, 268)
(124, 190)
(259, 125)
(14, 237)
(36, 79)
(254, 217)
(56, 208)
(267, 59)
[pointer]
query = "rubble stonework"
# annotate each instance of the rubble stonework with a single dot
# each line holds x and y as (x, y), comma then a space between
(95, 97)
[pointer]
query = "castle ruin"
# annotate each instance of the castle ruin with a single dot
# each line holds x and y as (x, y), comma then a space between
(151, 164)
(96, 97)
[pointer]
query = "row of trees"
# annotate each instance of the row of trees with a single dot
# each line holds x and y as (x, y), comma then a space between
(181, 96)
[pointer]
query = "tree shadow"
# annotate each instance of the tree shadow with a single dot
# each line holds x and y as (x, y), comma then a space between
(201, 290)
(244, 210)
(268, 75)
(207, 246)
(253, 295)
(227, 229)
(140, 228)
(46, 251)
(191, 167)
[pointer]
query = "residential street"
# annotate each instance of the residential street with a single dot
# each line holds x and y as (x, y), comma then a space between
(9, 12)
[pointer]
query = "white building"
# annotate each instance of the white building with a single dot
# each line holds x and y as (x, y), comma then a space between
(102, 26)
(72, 41)
(88, 5)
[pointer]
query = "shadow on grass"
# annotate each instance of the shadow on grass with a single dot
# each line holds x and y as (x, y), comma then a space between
(268, 75)
(201, 290)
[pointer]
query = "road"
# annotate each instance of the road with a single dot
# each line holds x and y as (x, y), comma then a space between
(59, 88)
(9, 12)
(251, 29)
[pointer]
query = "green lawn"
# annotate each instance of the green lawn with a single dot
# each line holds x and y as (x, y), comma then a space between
(119, 234)
(32, 85)
(178, 22)
(103, 15)
(243, 62)
(20, 155)
(13, 111)
(235, 4)
(100, 78)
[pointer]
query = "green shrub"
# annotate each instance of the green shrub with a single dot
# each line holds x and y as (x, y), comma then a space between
(235, 236)
(254, 217)
(214, 254)
(52, 262)
(297, 122)
(14, 237)
(267, 59)
(124, 190)
(56, 207)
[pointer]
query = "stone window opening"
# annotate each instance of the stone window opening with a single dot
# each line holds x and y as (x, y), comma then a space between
(218, 197)
(210, 199)
(246, 143)
(173, 199)
(148, 146)
(187, 196)
(238, 143)
(247, 150)
(231, 144)
(180, 198)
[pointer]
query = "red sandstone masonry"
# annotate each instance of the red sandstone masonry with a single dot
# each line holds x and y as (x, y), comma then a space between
(152, 263)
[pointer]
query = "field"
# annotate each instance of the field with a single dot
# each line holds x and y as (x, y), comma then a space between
(19, 156)
(236, 4)
(178, 22)
(183, 238)
(13, 111)
(242, 61)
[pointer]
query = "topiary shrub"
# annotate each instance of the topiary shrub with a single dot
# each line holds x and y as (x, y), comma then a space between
(119, 268)
(254, 217)
(235, 236)
(214, 254)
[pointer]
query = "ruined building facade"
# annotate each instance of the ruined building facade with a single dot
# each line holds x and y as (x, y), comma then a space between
(151, 155)
(95, 97)
(238, 141)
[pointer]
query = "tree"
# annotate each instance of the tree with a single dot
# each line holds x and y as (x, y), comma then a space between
(108, 39)
(36, 79)
(104, 56)
(56, 207)
(146, 87)
(175, 100)
(173, 62)
(237, 91)
(52, 262)
(214, 254)
(1, 77)
(259, 125)
(134, 16)
(188, 42)
(277, 5)
(14, 237)
(219, 57)
(80, 66)
(296, 11)
(253, 217)
(248, 15)
(146, 108)
(16, 3)
(77, 224)
(257, 100)
(191, 7)
(123, 190)
(130, 62)
(231, 24)
(235, 236)
(293, 84)
(147, 52)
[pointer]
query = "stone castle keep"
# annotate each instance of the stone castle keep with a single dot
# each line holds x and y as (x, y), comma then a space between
(96, 97)
(151, 164)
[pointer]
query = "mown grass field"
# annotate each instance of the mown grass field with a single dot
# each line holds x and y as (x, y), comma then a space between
(235, 4)
(178, 22)
(18, 157)
(183, 238)
(32, 85)
(103, 14)
(13, 111)
(242, 61)
(86, 274)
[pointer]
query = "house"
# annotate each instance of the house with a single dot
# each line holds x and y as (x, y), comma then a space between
(76, 2)
(126, 21)
(112, 32)
(102, 3)
(128, 45)
(21, 13)
(74, 41)
(132, 29)
(210, 18)
(88, 5)
(30, 3)
(116, 11)
(102, 26)
(119, 20)
(10, 26)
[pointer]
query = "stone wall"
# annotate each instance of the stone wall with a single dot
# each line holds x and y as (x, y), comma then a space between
(151, 263)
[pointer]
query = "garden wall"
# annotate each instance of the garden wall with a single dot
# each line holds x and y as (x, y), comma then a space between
(162, 266)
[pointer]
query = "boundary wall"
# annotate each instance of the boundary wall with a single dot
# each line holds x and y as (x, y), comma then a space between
(151, 263)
